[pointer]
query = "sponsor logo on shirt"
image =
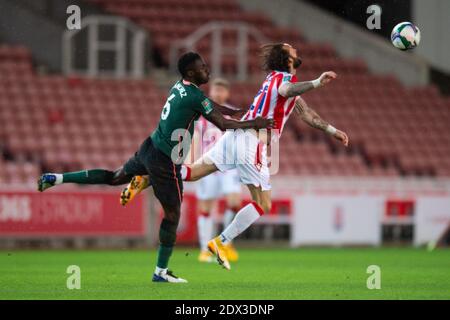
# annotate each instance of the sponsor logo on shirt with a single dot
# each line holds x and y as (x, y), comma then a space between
(207, 106)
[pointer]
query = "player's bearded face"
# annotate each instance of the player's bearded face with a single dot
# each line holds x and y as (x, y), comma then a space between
(296, 62)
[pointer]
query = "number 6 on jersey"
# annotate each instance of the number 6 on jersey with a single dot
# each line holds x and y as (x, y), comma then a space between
(166, 109)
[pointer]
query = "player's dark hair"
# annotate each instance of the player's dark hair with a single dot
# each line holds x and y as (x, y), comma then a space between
(275, 57)
(185, 62)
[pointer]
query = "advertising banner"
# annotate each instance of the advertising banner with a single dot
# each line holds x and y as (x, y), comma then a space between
(77, 213)
(432, 218)
(336, 220)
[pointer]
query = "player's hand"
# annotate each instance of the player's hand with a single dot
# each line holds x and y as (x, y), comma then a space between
(327, 77)
(262, 123)
(342, 137)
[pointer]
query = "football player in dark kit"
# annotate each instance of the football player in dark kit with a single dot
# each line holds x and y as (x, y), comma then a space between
(160, 156)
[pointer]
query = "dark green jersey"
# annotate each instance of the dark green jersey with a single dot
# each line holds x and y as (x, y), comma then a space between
(185, 104)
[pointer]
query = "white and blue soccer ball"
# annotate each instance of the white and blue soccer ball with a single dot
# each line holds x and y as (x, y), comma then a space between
(405, 36)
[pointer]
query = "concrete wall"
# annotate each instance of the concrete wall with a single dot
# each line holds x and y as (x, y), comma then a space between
(433, 19)
(18, 25)
(38, 25)
(348, 39)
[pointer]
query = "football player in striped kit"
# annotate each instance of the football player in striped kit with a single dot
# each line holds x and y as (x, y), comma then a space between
(246, 150)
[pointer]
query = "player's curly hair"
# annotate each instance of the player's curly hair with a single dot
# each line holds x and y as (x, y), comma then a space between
(274, 57)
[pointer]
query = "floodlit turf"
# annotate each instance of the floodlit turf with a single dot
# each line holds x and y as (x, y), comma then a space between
(260, 274)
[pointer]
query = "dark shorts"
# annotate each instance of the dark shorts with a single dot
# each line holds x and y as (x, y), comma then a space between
(165, 176)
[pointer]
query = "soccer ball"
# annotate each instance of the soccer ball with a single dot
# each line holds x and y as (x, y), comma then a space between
(405, 35)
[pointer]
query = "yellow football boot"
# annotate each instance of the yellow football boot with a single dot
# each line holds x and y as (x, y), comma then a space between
(218, 249)
(231, 252)
(136, 185)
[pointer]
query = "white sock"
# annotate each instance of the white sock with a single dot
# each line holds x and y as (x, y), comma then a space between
(160, 271)
(205, 230)
(59, 178)
(243, 219)
(228, 217)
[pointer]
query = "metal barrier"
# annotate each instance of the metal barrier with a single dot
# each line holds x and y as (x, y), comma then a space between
(216, 30)
(104, 37)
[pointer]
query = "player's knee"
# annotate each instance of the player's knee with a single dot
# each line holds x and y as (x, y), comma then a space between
(172, 214)
(119, 177)
(172, 217)
(108, 176)
(168, 232)
(266, 205)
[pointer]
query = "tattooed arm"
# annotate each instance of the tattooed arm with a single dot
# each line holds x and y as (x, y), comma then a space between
(290, 89)
(314, 120)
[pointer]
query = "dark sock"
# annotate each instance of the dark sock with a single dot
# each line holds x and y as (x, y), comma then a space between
(167, 237)
(95, 176)
(164, 253)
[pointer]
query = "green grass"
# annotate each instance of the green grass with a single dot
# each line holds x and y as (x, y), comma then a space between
(260, 274)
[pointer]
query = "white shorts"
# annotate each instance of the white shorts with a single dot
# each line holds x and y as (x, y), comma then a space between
(243, 151)
(218, 184)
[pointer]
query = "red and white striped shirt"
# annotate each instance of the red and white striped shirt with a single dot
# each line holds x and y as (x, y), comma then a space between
(269, 104)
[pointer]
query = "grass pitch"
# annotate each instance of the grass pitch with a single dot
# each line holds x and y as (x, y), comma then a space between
(260, 274)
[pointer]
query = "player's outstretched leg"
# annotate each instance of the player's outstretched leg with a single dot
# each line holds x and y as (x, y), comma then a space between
(243, 219)
(136, 185)
(94, 176)
(188, 173)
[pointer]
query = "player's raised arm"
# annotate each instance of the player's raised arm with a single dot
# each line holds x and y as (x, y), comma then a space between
(314, 120)
(290, 89)
(223, 123)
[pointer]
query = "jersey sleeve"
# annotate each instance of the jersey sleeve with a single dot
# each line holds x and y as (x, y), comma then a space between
(286, 78)
(202, 104)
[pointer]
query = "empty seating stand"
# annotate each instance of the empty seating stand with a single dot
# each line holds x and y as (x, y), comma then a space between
(368, 107)
(55, 123)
